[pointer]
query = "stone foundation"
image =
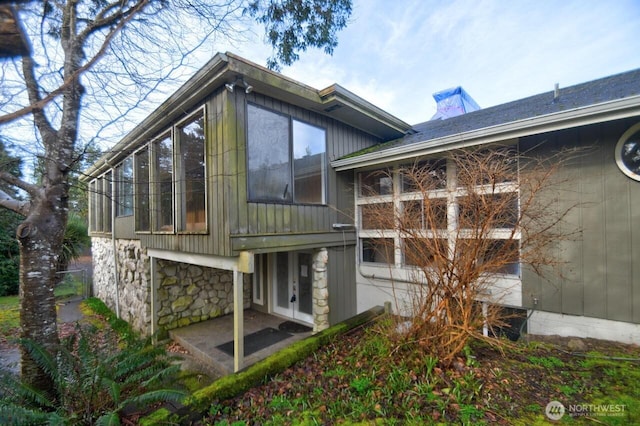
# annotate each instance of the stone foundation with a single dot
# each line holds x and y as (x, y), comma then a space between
(134, 281)
(186, 293)
(102, 282)
(189, 293)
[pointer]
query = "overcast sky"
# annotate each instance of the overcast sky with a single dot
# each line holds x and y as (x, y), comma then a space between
(397, 53)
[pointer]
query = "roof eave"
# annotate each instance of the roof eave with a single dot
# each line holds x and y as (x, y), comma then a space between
(226, 68)
(605, 111)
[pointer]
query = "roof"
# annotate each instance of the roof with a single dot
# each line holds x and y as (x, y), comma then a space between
(334, 102)
(604, 99)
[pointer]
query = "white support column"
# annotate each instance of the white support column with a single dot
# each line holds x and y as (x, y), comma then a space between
(238, 320)
(154, 297)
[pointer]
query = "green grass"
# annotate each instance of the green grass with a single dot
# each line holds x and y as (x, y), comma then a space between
(68, 287)
(9, 315)
(367, 380)
(10, 305)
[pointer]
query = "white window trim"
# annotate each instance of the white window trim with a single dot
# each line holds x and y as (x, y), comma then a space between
(452, 192)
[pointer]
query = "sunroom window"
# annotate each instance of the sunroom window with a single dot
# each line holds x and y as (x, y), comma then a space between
(190, 136)
(107, 200)
(163, 186)
(286, 158)
(142, 212)
(376, 182)
(124, 180)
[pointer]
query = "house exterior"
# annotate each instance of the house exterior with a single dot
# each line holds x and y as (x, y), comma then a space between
(224, 199)
(243, 190)
(597, 292)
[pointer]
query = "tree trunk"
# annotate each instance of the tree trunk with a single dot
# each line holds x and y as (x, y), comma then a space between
(40, 237)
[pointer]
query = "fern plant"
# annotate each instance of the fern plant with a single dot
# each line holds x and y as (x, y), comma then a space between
(94, 381)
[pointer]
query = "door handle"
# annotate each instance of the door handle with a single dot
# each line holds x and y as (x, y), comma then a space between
(293, 298)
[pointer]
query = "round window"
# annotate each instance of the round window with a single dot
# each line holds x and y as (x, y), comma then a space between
(628, 153)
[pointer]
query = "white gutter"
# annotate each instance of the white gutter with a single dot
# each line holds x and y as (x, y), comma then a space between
(611, 110)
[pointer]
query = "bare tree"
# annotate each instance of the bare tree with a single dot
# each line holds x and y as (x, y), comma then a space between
(94, 61)
(463, 224)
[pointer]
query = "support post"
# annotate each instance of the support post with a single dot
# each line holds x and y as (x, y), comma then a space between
(154, 297)
(238, 320)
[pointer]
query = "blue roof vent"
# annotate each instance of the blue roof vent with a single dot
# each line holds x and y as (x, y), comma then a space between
(453, 102)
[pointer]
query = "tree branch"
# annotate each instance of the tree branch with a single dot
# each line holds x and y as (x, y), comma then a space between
(37, 103)
(17, 182)
(19, 206)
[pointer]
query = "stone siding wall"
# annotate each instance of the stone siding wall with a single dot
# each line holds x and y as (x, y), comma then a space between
(189, 293)
(103, 278)
(320, 291)
(134, 283)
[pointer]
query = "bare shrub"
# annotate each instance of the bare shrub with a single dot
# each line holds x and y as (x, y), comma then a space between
(463, 227)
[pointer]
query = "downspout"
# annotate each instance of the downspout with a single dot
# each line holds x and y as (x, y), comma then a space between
(113, 238)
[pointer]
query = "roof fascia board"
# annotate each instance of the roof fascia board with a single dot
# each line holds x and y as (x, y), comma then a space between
(224, 67)
(355, 102)
(606, 111)
(189, 93)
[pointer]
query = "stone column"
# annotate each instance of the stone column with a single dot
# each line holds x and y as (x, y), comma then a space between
(320, 290)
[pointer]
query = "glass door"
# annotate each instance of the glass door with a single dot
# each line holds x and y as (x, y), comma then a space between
(293, 285)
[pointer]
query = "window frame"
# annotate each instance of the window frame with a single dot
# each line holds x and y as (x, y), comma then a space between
(179, 191)
(156, 193)
(626, 136)
(399, 196)
(124, 204)
(324, 189)
(137, 184)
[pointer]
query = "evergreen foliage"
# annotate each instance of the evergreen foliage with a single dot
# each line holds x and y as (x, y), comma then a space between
(9, 221)
(94, 378)
(9, 253)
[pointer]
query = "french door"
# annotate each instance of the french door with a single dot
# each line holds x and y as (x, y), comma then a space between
(293, 285)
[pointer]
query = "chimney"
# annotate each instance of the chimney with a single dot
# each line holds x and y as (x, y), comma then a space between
(453, 102)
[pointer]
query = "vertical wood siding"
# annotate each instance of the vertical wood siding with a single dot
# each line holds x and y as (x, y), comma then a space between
(229, 212)
(341, 276)
(601, 276)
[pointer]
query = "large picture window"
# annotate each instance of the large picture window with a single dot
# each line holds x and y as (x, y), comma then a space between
(190, 136)
(286, 158)
(124, 179)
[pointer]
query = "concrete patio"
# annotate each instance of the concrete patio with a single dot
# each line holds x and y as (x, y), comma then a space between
(202, 339)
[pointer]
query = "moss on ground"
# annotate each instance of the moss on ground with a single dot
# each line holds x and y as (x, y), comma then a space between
(234, 384)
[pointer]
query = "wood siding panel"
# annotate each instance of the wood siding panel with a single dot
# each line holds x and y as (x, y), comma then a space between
(341, 277)
(602, 275)
(634, 202)
(273, 218)
(229, 212)
(572, 284)
(618, 244)
(593, 234)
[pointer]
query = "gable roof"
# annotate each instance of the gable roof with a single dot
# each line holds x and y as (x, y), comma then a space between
(605, 99)
(334, 101)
